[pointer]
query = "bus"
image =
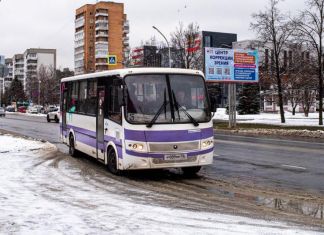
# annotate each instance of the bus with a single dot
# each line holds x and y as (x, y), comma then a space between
(139, 118)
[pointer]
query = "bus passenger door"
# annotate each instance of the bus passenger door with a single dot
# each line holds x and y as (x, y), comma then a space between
(100, 123)
(64, 94)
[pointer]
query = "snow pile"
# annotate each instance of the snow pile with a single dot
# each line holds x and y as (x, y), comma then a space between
(9, 143)
(282, 132)
(272, 119)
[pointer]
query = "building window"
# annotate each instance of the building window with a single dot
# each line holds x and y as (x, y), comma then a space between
(207, 41)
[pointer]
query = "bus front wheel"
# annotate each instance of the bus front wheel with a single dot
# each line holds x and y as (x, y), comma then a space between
(191, 171)
(112, 162)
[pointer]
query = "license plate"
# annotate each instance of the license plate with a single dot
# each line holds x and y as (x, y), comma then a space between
(175, 157)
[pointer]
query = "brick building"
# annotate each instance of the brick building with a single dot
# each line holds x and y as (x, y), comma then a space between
(100, 29)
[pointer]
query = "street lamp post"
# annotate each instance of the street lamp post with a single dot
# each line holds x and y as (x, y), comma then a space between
(166, 42)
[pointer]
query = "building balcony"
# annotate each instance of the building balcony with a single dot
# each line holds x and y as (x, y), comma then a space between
(101, 21)
(101, 14)
(101, 64)
(79, 22)
(101, 27)
(101, 34)
(78, 44)
(79, 35)
(126, 30)
(101, 42)
(31, 57)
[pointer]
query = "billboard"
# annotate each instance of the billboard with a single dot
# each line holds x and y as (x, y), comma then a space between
(231, 65)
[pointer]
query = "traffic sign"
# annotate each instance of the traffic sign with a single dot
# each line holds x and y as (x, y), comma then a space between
(112, 60)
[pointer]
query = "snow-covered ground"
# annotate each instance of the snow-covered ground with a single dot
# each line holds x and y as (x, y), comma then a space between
(274, 119)
(27, 114)
(42, 194)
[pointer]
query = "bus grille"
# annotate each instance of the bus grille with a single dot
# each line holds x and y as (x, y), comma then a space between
(174, 147)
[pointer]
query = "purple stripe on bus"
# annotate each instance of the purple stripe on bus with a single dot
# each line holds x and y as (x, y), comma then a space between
(85, 139)
(120, 152)
(168, 136)
(158, 155)
(82, 130)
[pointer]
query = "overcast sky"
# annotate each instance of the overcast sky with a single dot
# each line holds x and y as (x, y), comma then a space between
(50, 23)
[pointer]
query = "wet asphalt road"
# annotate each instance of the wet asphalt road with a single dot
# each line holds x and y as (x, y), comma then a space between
(279, 163)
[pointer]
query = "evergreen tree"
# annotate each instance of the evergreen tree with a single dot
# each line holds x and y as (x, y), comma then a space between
(249, 99)
(16, 91)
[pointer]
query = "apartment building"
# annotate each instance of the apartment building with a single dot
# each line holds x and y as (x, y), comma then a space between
(9, 75)
(101, 29)
(25, 66)
(18, 68)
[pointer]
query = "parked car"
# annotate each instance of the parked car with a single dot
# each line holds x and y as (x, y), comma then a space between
(33, 110)
(10, 109)
(2, 112)
(54, 115)
(22, 109)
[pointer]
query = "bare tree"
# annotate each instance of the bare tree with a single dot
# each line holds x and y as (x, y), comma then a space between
(187, 42)
(49, 85)
(272, 28)
(310, 28)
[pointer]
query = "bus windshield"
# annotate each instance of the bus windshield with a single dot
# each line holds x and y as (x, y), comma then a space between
(158, 98)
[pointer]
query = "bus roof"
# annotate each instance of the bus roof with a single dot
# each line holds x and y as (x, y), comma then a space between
(124, 72)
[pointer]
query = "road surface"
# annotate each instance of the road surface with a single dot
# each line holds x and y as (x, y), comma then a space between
(265, 177)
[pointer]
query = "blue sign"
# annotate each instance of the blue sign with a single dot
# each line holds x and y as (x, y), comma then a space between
(112, 60)
(228, 65)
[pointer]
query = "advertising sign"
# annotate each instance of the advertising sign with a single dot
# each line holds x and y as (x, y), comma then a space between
(231, 65)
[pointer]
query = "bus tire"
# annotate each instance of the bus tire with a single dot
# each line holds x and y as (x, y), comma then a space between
(112, 161)
(72, 150)
(191, 171)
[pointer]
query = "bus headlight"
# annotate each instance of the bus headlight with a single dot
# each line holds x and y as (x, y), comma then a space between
(207, 143)
(136, 146)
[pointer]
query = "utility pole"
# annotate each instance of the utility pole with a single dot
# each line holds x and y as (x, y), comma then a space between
(166, 42)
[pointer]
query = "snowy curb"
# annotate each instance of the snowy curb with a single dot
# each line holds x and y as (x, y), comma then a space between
(280, 132)
(13, 144)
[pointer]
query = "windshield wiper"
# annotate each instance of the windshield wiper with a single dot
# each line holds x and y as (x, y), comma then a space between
(179, 108)
(163, 106)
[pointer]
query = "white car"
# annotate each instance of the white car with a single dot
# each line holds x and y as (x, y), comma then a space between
(2, 112)
(33, 110)
(54, 115)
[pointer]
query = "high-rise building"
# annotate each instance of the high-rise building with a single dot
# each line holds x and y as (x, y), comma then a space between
(18, 68)
(101, 29)
(25, 66)
(9, 74)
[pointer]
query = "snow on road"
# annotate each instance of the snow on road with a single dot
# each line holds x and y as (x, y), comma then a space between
(44, 193)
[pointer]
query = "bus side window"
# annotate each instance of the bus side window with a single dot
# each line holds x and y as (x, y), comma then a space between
(114, 108)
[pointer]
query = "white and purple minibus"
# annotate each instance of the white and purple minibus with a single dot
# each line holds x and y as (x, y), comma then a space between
(139, 118)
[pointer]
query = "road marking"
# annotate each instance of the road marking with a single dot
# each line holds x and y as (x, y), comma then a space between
(295, 167)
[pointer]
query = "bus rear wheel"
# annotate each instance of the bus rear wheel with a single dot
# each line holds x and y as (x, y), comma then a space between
(191, 171)
(72, 150)
(112, 162)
